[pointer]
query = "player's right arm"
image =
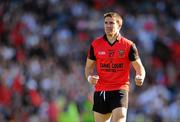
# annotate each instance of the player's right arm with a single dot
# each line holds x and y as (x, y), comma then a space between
(90, 66)
(89, 71)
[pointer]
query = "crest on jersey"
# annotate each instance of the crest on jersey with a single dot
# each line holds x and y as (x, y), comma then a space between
(121, 53)
(111, 53)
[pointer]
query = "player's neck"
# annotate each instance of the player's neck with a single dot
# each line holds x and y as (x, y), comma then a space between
(112, 38)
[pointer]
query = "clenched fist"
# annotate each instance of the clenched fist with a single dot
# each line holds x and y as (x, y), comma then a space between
(93, 79)
(139, 80)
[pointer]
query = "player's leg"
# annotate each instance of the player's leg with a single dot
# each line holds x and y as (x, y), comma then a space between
(101, 110)
(98, 117)
(119, 114)
(119, 105)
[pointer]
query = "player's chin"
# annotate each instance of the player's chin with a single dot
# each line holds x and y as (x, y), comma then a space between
(109, 32)
(139, 84)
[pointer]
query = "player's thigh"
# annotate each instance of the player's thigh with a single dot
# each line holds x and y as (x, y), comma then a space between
(119, 114)
(98, 117)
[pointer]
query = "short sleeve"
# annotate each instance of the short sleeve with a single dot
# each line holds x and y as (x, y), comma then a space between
(91, 53)
(133, 53)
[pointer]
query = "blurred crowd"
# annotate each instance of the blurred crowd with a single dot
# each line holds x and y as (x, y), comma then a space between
(43, 47)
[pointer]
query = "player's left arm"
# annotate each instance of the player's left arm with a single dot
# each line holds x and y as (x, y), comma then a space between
(140, 72)
(137, 65)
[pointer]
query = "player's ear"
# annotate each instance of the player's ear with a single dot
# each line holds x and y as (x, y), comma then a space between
(120, 26)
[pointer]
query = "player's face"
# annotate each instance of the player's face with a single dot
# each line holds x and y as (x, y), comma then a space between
(111, 26)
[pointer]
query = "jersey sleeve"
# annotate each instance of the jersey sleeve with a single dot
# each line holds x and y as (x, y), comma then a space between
(91, 53)
(133, 53)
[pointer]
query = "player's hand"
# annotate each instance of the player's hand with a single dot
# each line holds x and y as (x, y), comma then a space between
(93, 79)
(139, 80)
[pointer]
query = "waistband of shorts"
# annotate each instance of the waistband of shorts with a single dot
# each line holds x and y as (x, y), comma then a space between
(112, 91)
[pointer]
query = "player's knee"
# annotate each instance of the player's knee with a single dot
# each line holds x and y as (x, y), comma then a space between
(122, 115)
(120, 112)
(119, 118)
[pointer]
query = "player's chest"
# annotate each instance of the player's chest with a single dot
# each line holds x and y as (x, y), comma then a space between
(107, 51)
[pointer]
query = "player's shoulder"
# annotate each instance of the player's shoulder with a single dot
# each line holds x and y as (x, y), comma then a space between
(98, 40)
(125, 40)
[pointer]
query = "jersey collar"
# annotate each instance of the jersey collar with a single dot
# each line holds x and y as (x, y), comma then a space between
(118, 38)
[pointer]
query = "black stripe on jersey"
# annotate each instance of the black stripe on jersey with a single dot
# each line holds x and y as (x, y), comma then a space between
(91, 53)
(133, 53)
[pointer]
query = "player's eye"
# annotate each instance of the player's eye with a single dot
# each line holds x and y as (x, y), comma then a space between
(111, 23)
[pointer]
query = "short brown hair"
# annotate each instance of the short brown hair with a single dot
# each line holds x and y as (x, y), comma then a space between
(114, 15)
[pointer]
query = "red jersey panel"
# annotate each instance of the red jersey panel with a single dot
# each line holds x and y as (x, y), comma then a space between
(112, 63)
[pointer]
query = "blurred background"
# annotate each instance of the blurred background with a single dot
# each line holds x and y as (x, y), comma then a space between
(43, 47)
